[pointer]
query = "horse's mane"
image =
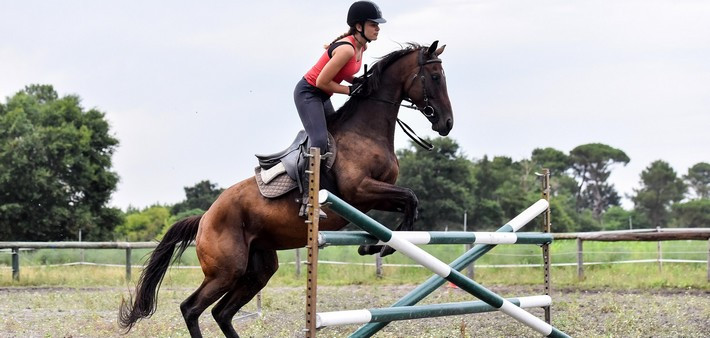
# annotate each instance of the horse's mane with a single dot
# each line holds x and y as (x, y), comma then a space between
(373, 81)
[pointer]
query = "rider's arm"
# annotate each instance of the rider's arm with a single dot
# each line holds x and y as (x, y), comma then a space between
(341, 56)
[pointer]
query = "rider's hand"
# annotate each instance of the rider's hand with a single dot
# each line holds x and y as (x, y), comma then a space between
(359, 85)
(357, 90)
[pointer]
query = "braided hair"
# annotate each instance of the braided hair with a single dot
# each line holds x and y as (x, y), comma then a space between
(351, 31)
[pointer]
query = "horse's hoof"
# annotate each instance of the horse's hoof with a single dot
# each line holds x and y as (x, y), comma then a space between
(386, 251)
(368, 250)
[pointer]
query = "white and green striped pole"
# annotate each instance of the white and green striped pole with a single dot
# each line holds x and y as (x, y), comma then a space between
(389, 314)
(440, 268)
(335, 238)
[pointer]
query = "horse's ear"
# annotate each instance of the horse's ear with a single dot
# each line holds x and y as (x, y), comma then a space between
(432, 48)
(439, 51)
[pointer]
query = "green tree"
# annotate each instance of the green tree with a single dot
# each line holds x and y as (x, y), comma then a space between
(660, 187)
(617, 218)
(200, 196)
(504, 188)
(555, 160)
(55, 168)
(487, 211)
(698, 178)
(144, 225)
(609, 197)
(692, 214)
(442, 181)
(177, 217)
(591, 164)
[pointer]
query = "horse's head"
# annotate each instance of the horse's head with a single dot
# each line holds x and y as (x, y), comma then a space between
(425, 86)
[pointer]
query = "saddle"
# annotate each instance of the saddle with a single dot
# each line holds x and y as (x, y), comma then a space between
(284, 171)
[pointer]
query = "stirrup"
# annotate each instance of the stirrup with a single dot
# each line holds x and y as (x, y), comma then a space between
(302, 212)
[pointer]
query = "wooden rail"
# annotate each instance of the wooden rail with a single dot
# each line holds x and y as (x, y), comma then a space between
(655, 235)
(651, 235)
(648, 235)
(16, 246)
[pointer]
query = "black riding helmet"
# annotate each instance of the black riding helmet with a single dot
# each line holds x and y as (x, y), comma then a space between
(361, 11)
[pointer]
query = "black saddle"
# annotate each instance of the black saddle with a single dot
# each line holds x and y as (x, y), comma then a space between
(294, 160)
(291, 157)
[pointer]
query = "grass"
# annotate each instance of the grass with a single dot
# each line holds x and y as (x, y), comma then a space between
(36, 272)
(66, 312)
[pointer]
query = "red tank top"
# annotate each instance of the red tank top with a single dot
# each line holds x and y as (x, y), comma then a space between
(350, 68)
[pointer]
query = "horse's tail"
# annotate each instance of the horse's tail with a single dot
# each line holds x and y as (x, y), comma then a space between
(181, 233)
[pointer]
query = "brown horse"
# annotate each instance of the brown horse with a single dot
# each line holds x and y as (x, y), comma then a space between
(237, 238)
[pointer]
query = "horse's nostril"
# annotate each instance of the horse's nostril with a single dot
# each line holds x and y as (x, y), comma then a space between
(449, 124)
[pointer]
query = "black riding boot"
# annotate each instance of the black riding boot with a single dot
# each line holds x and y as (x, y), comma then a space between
(327, 182)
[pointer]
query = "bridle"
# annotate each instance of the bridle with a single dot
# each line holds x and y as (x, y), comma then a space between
(428, 111)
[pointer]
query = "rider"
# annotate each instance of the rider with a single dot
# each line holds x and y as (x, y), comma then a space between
(341, 60)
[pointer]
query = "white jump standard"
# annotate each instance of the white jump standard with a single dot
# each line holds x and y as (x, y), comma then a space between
(440, 268)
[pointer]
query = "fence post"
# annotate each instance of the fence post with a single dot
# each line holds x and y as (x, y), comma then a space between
(298, 262)
(469, 268)
(708, 259)
(378, 265)
(16, 264)
(467, 247)
(580, 259)
(128, 263)
(660, 253)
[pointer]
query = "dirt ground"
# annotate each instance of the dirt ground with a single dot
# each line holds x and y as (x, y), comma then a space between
(92, 312)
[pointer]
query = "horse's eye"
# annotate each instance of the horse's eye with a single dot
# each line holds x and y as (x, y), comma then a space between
(436, 77)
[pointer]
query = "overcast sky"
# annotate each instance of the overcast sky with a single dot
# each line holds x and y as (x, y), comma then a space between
(193, 89)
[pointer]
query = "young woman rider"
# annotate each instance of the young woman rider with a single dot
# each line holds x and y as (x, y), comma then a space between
(341, 61)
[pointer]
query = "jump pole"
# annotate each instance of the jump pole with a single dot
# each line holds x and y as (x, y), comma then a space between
(339, 238)
(440, 268)
(334, 318)
(435, 281)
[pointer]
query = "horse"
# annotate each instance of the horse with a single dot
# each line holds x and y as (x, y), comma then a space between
(237, 238)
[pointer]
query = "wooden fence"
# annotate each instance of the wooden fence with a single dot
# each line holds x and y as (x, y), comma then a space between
(655, 235)
(646, 235)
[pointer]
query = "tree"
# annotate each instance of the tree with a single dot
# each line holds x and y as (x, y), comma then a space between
(199, 196)
(591, 164)
(698, 178)
(144, 225)
(609, 197)
(692, 214)
(617, 218)
(503, 189)
(660, 187)
(55, 168)
(555, 160)
(487, 211)
(442, 181)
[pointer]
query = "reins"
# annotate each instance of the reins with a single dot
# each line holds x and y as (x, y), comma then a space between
(428, 111)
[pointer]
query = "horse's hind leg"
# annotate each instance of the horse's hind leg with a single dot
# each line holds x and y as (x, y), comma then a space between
(224, 261)
(208, 293)
(262, 265)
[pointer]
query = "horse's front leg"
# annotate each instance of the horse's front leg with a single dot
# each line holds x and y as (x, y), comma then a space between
(387, 197)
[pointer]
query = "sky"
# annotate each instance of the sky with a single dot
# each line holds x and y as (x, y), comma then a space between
(192, 90)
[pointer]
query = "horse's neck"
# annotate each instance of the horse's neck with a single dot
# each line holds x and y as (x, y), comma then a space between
(376, 117)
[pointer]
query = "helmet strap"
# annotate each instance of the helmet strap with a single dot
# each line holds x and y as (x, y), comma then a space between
(362, 32)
